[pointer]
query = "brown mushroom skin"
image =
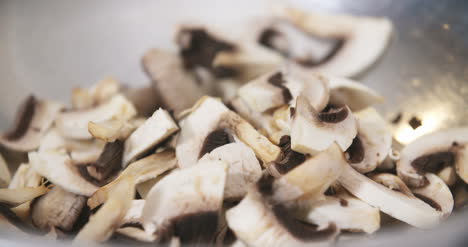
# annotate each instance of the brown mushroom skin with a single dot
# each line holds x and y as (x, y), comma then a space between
(23, 119)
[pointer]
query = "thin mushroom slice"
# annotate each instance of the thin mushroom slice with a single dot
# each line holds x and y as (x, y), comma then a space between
(25, 176)
(186, 203)
(437, 194)
(357, 96)
(58, 208)
(33, 119)
(99, 93)
(108, 163)
(134, 213)
(364, 39)
(398, 205)
(311, 178)
(313, 131)
(111, 130)
(392, 182)
(57, 167)
(244, 168)
(5, 176)
(256, 222)
(210, 125)
(15, 197)
(156, 129)
(373, 142)
(261, 121)
(433, 152)
(74, 124)
(348, 213)
(448, 175)
(102, 224)
(142, 170)
(177, 87)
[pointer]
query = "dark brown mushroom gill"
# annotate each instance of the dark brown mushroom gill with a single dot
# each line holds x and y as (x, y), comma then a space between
(289, 159)
(333, 114)
(433, 162)
(23, 120)
(199, 48)
(277, 80)
(356, 152)
(215, 139)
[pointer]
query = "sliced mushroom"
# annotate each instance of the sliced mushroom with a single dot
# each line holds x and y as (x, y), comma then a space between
(57, 167)
(431, 153)
(145, 99)
(260, 121)
(392, 182)
(373, 142)
(257, 222)
(363, 40)
(111, 130)
(437, 194)
(108, 163)
(142, 170)
(25, 176)
(244, 168)
(448, 175)
(33, 119)
(134, 213)
(9, 221)
(156, 129)
(288, 160)
(311, 178)
(137, 234)
(357, 96)
(5, 176)
(210, 125)
(177, 87)
(186, 203)
(15, 197)
(74, 124)
(346, 212)
(312, 132)
(398, 205)
(58, 208)
(99, 93)
(102, 224)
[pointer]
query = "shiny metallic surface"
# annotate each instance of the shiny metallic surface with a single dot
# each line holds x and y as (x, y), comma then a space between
(49, 46)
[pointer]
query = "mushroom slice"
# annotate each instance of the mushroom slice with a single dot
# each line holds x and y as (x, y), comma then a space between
(448, 175)
(392, 182)
(260, 121)
(134, 213)
(57, 167)
(58, 208)
(348, 213)
(155, 130)
(137, 234)
(15, 197)
(437, 194)
(108, 163)
(266, 92)
(256, 222)
(244, 168)
(431, 153)
(373, 142)
(408, 209)
(186, 203)
(288, 160)
(74, 124)
(210, 125)
(5, 176)
(142, 170)
(363, 39)
(33, 119)
(357, 96)
(25, 176)
(102, 224)
(312, 177)
(10, 219)
(178, 88)
(111, 130)
(312, 132)
(145, 99)
(99, 93)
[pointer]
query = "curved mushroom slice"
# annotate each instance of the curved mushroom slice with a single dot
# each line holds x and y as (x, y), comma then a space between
(398, 205)
(186, 203)
(5, 176)
(102, 224)
(431, 153)
(363, 39)
(177, 88)
(33, 119)
(346, 212)
(311, 178)
(137, 234)
(373, 142)
(108, 163)
(448, 175)
(134, 213)
(258, 223)
(74, 124)
(392, 182)
(260, 121)
(15, 197)
(312, 132)
(58, 208)
(142, 170)
(357, 96)
(111, 130)
(155, 130)
(99, 93)
(57, 167)
(437, 194)
(244, 168)
(210, 125)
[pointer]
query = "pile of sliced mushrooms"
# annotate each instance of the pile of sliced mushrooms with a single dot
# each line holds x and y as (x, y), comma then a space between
(258, 141)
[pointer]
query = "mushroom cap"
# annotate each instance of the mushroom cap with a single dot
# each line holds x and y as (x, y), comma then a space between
(244, 168)
(437, 194)
(311, 134)
(357, 96)
(33, 119)
(398, 205)
(432, 152)
(373, 142)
